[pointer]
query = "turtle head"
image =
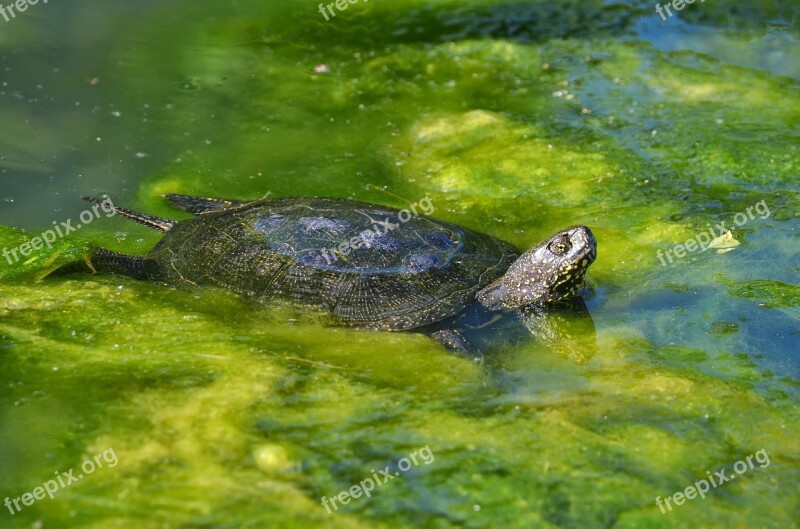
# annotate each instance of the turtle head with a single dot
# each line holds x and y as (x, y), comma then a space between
(551, 272)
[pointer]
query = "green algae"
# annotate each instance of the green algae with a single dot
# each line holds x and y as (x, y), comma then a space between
(772, 294)
(516, 119)
(27, 259)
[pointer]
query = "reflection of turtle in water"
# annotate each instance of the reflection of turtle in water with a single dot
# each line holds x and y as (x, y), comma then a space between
(423, 275)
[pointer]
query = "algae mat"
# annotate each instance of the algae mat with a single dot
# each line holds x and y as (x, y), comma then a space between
(675, 139)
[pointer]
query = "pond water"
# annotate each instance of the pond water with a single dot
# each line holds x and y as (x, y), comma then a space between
(516, 119)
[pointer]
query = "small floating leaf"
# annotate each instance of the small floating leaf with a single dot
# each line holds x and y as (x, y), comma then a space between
(724, 243)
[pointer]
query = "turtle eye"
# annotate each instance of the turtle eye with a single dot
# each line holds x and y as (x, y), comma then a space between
(560, 246)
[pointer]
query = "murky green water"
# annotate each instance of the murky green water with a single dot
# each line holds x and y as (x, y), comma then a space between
(516, 119)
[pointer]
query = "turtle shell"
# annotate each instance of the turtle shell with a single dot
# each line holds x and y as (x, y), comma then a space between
(371, 266)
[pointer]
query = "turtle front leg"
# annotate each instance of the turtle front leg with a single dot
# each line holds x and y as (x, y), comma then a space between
(452, 340)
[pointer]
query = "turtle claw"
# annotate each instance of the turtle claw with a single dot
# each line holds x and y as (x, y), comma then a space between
(88, 260)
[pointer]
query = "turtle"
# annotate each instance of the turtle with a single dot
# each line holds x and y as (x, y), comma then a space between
(367, 265)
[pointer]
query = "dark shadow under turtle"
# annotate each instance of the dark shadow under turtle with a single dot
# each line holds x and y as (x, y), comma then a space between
(373, 267)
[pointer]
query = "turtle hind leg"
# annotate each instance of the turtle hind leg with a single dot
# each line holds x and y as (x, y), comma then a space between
(106, 261)
(150, 221)
(200, 205)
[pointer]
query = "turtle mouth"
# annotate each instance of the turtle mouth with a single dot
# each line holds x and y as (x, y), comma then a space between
(591, 253)
(584, 245)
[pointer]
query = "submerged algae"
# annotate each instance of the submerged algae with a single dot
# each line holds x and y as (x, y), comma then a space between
(190, 411)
